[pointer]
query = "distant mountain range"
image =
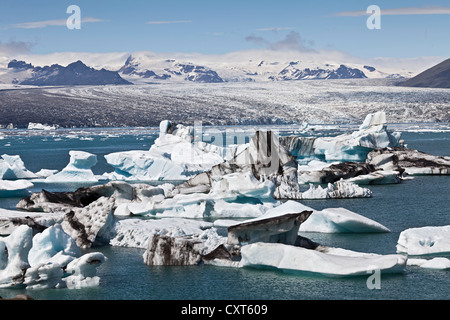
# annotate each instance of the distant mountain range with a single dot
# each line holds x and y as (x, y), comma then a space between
(144, 67)
(76, 73)
(434, 77)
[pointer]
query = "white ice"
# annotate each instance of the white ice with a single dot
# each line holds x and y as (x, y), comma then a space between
(49, 259)
(334, 264)
(424, 240)
(13, 168)
(329, 220)
(78, 169)
(173, 156)
(11, 188)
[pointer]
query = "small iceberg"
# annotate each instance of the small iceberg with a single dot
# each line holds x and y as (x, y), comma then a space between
(13, 168)
(424, 240)
(78, 169)
(14, 188)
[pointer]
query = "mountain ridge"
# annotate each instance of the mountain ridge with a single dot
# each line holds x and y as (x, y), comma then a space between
(437, 76)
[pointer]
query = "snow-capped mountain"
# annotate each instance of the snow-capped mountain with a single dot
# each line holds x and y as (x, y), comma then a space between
(140, 68)
(76, 73)
(150, 67)
(292, 72)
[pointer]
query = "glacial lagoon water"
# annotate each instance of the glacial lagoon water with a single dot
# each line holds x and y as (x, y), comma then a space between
(422, 201)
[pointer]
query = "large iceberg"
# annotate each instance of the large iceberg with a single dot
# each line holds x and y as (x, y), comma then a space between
(334, 263)
(328, 220)
(175, 155)
(372, 134)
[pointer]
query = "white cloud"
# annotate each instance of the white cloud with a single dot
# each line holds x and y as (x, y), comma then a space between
(15, 47)
(274, 29)
(291, 42)
(48, 23)
(399, 11)
(169, 22)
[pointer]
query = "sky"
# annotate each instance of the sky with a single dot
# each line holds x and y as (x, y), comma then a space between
(408, 28)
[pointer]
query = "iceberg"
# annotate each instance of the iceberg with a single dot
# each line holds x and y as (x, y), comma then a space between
(424, 240)
(78, 169)
(339, 190)
(275, 228)
(135, 232)
(40, 126)
(328, 220)
(38, 221)
(14, 188)
(414, 162)
(13, 168)
(50, 259)
(438, 263)
(331, 264)
(336, 220)
(175, 155)
(372, 134)
(84, 224)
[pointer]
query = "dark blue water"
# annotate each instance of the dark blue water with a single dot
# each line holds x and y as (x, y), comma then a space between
(422, 201)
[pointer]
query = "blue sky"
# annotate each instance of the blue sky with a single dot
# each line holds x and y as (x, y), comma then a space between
(408, 28)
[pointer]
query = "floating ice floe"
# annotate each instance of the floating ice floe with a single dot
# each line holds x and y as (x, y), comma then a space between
(49, 259)
(424, 240)
(78, 169)
(335, 263)
(14, 188)
(438, 263)
(329, 220)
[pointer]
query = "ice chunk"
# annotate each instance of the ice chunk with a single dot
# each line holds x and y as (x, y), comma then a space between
(14, 188)
(85, 224)
(12, 219)
(135, 232)
(372, 134)
(40, 126)
(50, 242)
(424, 240)
(78, 169)
(337, 190)
(291, 258)
(83, 271)
(12, 168)
(438, 263)
(39, 262)
(329, 220)
(175, 155)
(335, 220)
(14, 256)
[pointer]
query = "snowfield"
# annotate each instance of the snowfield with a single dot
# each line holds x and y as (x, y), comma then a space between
(278, 102)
